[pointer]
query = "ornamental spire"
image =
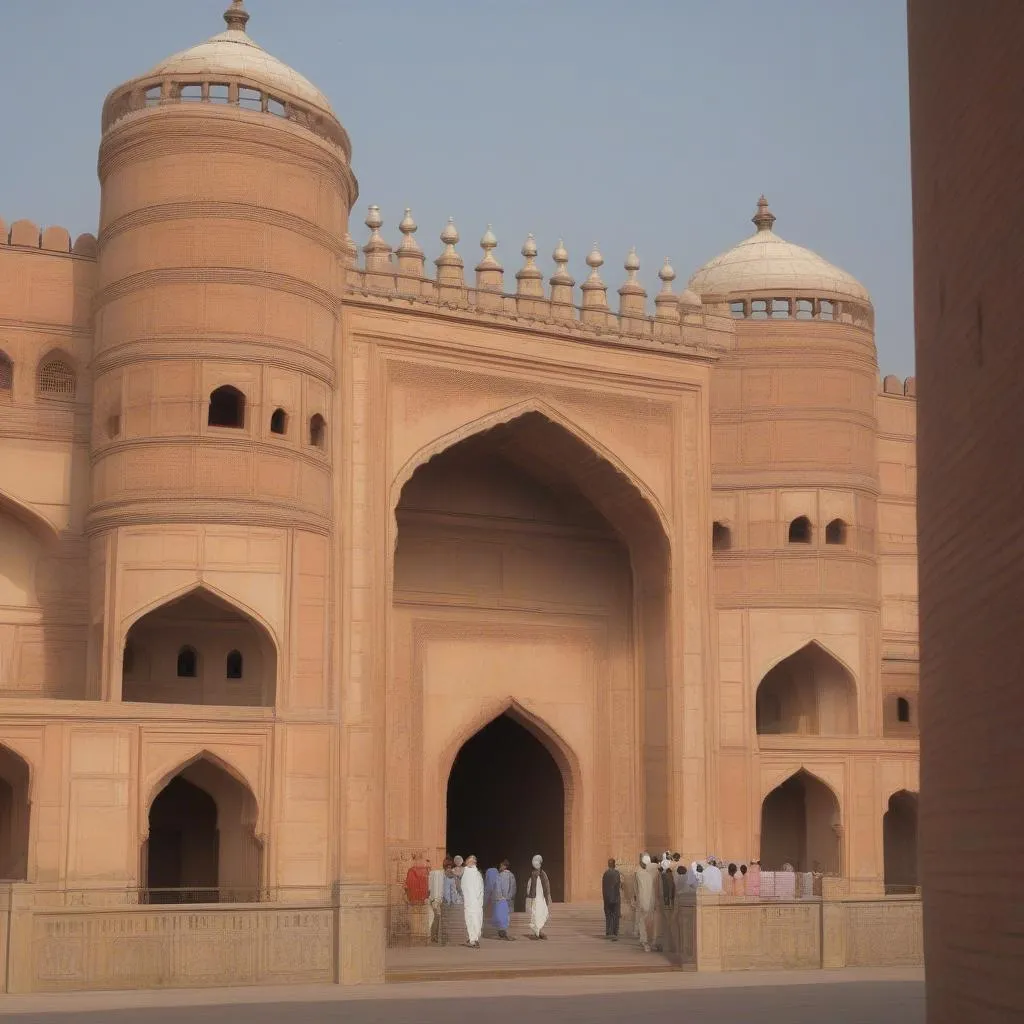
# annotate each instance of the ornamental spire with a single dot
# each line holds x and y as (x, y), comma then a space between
(236, 16)
(764, 218)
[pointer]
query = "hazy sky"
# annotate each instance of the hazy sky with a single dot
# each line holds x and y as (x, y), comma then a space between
(654, 123)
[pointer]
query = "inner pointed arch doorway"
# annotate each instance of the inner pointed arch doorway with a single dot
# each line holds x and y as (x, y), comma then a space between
(507, 798)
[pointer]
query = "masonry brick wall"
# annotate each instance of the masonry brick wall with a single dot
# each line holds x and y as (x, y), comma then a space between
(967, 137)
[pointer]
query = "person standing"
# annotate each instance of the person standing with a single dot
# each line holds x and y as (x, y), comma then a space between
(435, 884)
(453, 917)
(645, 901)
(538, 898)
(473, 902)
(504, 895)
(611, 892)
(490, 881)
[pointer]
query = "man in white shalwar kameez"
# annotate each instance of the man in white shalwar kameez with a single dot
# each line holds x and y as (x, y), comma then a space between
(538, 899)
(645, 905)
(473, 902)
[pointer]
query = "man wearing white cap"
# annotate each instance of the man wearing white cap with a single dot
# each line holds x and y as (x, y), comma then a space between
(647, 891)
(538, 898)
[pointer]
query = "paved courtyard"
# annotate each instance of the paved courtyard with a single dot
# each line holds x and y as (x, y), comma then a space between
(846, 997)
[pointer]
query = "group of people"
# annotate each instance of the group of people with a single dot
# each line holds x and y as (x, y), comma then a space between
(656, 887)
(460, 899)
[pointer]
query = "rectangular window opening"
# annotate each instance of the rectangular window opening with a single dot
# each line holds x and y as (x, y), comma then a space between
(219, 94)
(250, 99)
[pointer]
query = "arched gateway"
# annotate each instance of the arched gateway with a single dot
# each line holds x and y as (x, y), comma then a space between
(529, 632)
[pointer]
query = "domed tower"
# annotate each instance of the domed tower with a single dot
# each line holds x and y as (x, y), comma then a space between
(794, 491)
(226, 188)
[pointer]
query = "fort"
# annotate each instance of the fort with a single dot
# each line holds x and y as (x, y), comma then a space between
(301, 546)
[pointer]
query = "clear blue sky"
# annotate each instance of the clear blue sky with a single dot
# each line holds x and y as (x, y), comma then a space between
(654, 123)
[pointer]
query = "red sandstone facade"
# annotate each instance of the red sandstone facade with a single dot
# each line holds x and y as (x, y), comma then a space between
(967, 147)
(283, 528)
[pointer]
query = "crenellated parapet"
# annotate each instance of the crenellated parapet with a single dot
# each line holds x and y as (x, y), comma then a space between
(26, 234)
(398, 276)
(892, 385)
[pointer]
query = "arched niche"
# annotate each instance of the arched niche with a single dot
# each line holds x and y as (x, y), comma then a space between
(801, 825)
(179, 654)
(527, 522)
(510, 746)
(899, 833)
(808, 693)
(14, 816)
(201, 844)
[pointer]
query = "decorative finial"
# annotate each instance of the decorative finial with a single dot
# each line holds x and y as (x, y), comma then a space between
(450, 234)
(595, 261)
(632, 265)
(408, 228)
(561, 276)
(667, 275)
(764, 218)
(489, 243)
(236, 16)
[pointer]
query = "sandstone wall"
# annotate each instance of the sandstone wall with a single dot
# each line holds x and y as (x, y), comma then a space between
(967, 145)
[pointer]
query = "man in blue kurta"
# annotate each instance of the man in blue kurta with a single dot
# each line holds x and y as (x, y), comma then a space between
(504, 896)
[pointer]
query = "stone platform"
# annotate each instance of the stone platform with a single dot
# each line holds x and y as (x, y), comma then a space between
(575, 946)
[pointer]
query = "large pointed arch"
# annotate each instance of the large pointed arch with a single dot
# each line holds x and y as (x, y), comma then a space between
(200, 585)
(595, 500)
(159, 779)
(217, 633)
(509, 414)
(809, 691)
(547, 799)
(556, 745)
(802, 825)
(200, 843)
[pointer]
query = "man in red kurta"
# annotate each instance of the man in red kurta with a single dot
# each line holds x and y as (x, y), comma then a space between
(417, 881)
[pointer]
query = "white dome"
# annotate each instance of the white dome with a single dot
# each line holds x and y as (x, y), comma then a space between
(766, 264)
(235, 53)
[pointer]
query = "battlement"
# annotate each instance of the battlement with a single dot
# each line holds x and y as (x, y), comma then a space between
(680, 321)
(25, 234)
(892, 385)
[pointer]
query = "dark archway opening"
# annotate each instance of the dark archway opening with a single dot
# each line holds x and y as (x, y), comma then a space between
(184, 847)
(14, 815)
(899, 833)
(227, 408)
(801, 826)
(506, 799)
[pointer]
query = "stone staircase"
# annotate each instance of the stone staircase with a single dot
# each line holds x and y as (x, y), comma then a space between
(575, 946)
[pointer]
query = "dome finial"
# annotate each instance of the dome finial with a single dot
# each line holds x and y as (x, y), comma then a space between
(236, 16)
(764, 218)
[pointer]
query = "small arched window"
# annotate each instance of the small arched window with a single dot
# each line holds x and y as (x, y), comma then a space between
(800, 531)
(835, 532)
(6, 375)
(234, 665)
(227, 407)
(279, 422)
(721, 537)
(127, 660)
(902, 709)
(55, 379)
(188, 663)
(318, 431)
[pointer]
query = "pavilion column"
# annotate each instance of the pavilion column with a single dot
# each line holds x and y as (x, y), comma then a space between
(362, 560)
